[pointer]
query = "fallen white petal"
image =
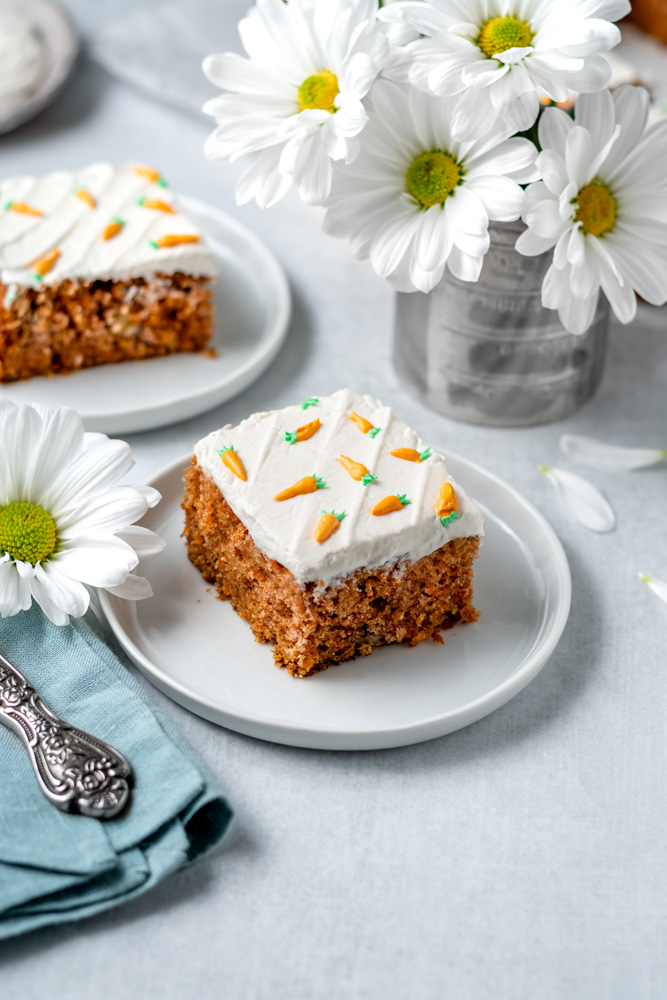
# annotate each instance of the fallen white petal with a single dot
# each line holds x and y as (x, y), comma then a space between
(134, 588)
(582, 499)
(609, 457)
(659, 587)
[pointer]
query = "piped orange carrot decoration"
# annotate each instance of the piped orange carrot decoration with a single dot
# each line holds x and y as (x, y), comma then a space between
(389, 504)
(113, 229)
(157, 205)
(327, 524)
(85, 196)
(303, 433)
(173, 240)
(446, 506)
(22, 208)
(148, 173)
(232, 461)
(44, 264)
(309, 484)
(357, 470)
(365, 426)
(411, 454)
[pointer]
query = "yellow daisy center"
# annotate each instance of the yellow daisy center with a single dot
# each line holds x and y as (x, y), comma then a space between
(27, 532)
(319, 91)
(503, 33)
(432, 177)
(596, 209)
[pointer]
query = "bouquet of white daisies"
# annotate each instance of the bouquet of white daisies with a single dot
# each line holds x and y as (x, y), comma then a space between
(407, 122)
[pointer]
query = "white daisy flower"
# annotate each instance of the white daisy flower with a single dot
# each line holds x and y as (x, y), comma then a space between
(498, 55)
(64, 524)
(298, 97)
(417, 200)
(602, 204)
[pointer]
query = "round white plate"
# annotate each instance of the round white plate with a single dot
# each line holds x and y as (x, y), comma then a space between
(252, 301)
(200, 653)
(60, 46)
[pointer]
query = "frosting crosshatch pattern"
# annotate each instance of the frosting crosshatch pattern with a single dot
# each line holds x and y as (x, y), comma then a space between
(101, 222)
(357, 460)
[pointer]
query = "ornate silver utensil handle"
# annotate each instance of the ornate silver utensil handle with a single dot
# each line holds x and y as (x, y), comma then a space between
(76, 771)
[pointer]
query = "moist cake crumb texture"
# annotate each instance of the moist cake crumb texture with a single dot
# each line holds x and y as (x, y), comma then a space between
(374, 545)
(98, 265)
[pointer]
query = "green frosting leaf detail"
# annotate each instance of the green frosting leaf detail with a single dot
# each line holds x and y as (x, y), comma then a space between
(319, 482)
(423, 455)
(338, 517)
(450, 517)
(311, 401)
(368, 478)
(290, 437)
(227, 447)
(404, 499)
(373, 431)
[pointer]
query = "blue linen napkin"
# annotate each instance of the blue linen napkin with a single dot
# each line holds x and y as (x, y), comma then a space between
(54, 866)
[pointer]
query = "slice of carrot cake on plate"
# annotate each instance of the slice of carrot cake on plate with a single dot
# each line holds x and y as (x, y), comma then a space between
(332, 529)
(98, 265)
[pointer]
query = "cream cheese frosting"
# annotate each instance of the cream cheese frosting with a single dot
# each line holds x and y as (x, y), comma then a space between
(283, 530)
(21, 56)
(100, 223)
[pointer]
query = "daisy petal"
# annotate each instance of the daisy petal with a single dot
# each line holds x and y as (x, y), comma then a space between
(15, 593)
(609, 457)
(584, 501)
(659, 587)
(134, 588)
(145, 542)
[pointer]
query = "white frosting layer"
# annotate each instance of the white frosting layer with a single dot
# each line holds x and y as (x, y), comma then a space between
(68, 224)
(21, 56)
(283, 530)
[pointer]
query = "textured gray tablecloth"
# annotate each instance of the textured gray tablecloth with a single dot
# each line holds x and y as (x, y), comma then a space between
(523, 857)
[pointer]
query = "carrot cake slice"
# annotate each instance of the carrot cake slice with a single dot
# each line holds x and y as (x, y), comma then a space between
(98, 265)
(332, 529)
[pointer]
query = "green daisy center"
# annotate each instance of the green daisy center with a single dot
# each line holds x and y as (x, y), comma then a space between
(503, 33)
(596, 209)
(319, 91)
(432, 177)
(27, 532)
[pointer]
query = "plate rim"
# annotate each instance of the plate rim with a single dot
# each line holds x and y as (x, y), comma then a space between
(482, 706)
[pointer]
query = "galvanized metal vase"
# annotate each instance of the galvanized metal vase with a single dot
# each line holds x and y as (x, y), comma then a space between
(490, 353)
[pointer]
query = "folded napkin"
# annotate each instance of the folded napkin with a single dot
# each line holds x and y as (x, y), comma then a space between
(54, 866)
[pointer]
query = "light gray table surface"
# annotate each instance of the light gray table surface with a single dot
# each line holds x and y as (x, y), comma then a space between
(523, 857)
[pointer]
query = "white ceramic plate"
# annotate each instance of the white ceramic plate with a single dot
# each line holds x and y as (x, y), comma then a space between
(200, 653)
(252, 302)
(60, 46)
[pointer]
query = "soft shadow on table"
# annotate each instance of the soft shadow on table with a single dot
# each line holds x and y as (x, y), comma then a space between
(77, 102)
(186, 886)
(293, 357)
